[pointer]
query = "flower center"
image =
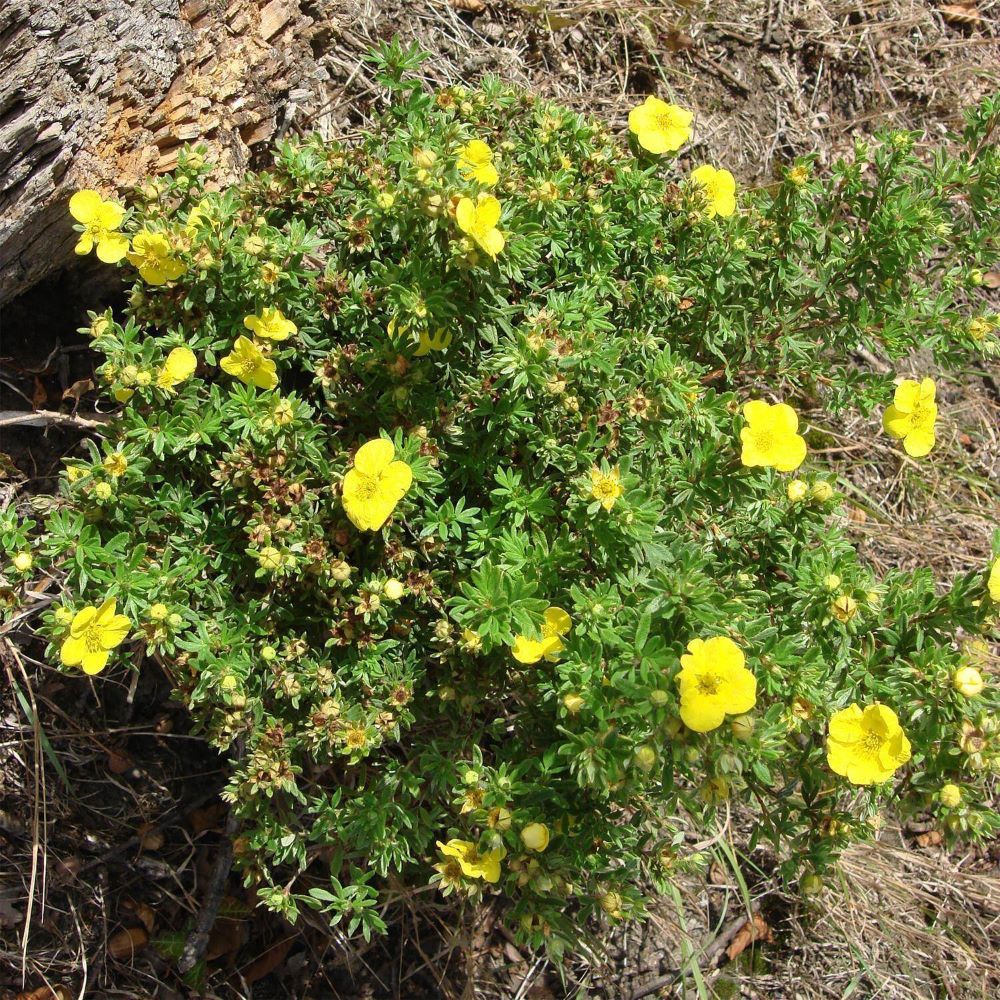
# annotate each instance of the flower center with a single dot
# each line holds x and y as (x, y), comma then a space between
(92, 639)
(708, 684)
(367, 488)
(765, 440)
(248, 366)
(870, 744)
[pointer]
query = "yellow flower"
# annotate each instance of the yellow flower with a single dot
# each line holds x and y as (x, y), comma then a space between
(248, 364)
(271, 324)
(179, 366)
(866, 746)
(479, 219)
(93, 633)
(796, 490)
(719, 189)
(22, 562)
(968, 681)
(152, 255)
(606, 486)
(475, 162)
(844, 608)
(115, 464)
(375, 484)
(660, 127)
(714, 682)
(99, 219)
(535, 837)
(557, 623)
(474, 864)
(158, 612)
(437, 341)
(994, 582)
(394, 589)
(950, 796)
(103, 491)
(573, 702)
(911, 416)
(770, 437)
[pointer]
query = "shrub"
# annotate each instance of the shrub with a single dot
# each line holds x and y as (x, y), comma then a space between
(447, 490)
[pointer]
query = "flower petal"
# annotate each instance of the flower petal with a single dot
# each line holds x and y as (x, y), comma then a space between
(84, 206)
(374, 456)
(111, 248)
(919, 442)
(702, 713)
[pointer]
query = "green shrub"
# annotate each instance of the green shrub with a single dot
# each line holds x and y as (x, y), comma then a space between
(465, 669)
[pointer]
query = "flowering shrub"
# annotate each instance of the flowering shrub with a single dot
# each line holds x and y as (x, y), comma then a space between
(459, 488)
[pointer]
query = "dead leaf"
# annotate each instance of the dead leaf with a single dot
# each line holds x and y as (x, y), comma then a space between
(227, 933)
(39, 395)
(119, 763)
(685, 304)
(143, 911)
(150, 839)
(930, 839)
(469, 6)
(46, 993)
(269, 961)
(124, 944)
(856, 515)
(757, 929)
(208, 817)
(960, 13)
(677, 40)
(78, 389)
(717, 875)
(991, 279)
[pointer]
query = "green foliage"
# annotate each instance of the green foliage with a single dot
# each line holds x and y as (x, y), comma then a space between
(619, 328)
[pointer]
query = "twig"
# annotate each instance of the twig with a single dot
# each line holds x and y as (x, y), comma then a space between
(197, 942)
(708, 958)
(43, 418)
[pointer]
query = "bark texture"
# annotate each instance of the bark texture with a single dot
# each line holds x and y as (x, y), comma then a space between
(102, 93)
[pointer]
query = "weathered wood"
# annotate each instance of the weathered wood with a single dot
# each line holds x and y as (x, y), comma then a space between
(101, 93)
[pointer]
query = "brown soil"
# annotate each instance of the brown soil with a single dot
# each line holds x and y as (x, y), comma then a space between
(108, 805)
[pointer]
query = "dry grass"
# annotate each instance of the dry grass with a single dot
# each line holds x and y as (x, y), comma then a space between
(768, 78)
(905, 925)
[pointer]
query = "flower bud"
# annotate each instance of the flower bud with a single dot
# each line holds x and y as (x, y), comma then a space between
(796, 490)
(611, 904)
(950, 796)
(658, 698)
(645, 758)
(22, 562)
(393, 589)
(741, 726)
(340, 570)
(158, 612)
(822, 491)
(968, 681)
(535, 837)
(811, 884)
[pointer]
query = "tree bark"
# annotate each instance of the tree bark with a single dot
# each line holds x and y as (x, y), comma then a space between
(102, 93)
